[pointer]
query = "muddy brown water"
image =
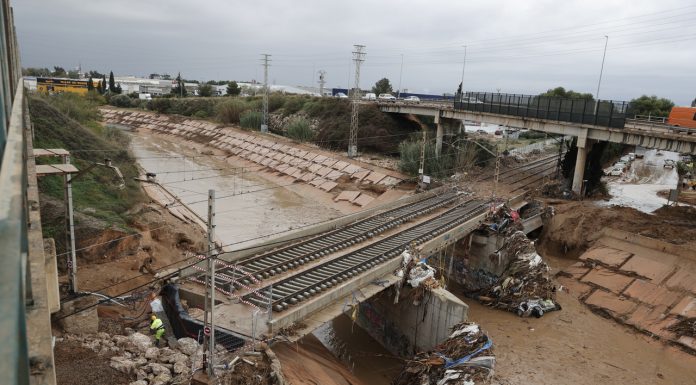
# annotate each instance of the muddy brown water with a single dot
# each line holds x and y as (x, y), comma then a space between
(247, 205)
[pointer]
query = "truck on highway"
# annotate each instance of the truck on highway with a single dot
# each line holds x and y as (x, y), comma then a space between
(682, 117)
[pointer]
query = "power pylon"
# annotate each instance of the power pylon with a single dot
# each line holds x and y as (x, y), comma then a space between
(358, 58)
(264, 125)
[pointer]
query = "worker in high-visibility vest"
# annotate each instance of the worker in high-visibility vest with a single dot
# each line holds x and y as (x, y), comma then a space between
(157, 328)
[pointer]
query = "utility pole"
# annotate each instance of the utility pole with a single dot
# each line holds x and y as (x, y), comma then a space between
(421, 167)
(322, 81)
(601, 70)
(70, 233)
(463, 68)
(264, 125)
(358, 58)
(209, 322)
(401, 72)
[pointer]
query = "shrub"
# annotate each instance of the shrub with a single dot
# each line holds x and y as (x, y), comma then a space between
(298, 129)
(75, 106)
(229, 111)
(292, 105)
(409, 160)
(313, 108)
(251, 120)
(532, 135)
(120, 101)
(161, 105)
(275, 101)
(202, 114)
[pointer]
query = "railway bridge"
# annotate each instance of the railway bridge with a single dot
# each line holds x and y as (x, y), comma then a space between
(310, 280)
(587, 120)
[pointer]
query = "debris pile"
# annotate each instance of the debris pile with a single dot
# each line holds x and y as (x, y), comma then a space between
(502, 220)
(417, 274)
(556, 189)
(465, 358)
(685, 328)
(524, 287)
(136, 356)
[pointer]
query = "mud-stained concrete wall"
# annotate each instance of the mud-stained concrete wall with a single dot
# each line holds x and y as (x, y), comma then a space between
(405, 328)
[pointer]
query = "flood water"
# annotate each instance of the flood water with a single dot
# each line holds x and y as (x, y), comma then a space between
(639, 185)
(247, 205)
(369, 361)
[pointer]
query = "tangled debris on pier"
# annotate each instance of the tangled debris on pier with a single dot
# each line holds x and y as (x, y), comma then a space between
(465, 358)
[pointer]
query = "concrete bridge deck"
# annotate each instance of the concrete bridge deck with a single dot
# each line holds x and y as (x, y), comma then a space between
(321, 286)
(661, 137)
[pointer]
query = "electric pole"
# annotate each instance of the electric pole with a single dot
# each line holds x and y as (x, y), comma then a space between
(208, 322)
(401, 72)
(601, 70)
(421, 167)
(358, 58)
(322, 81)
(264, 125)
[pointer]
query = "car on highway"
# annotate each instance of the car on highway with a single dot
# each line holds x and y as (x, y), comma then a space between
(625, 159)
(412, 99)
(471, 100)
(387, 97)
(632, 156)
(341, 95)
(369, 96)
(669, 163)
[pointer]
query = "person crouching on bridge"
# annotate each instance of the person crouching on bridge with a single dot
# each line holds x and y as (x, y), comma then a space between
(157, 328)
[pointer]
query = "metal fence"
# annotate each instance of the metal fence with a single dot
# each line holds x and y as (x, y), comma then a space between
(15, 281)
(606, 113)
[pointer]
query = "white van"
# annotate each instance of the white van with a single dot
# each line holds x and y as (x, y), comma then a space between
(369, 96)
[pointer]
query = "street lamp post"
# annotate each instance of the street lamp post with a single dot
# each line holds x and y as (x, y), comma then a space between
(463, 68)
(601, 70)
(401, 72)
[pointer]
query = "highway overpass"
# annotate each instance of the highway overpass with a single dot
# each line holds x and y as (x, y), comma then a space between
(609, 124)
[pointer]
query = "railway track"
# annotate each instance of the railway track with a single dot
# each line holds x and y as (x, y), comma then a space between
(265, 265)
(304, 285)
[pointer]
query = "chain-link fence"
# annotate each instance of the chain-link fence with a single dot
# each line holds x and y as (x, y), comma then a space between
(606, 113)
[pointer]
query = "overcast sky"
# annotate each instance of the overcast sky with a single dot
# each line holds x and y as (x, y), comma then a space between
(514, 46)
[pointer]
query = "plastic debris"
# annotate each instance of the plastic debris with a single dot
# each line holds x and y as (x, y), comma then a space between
(459, 360)
(525, 287)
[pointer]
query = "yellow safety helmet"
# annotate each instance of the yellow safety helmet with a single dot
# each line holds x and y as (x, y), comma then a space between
(154, 317)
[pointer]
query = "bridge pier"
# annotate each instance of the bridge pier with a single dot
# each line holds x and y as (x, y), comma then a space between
(439, 135)
(584, 145)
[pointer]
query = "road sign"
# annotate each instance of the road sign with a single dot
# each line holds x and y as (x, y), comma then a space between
(206, 331)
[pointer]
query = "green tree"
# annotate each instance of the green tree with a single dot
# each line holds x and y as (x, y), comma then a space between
(233, 89)
(90, 84)
(95, 74)
(118, 88)
(112, 82)
(180, 87)
(693, 104)
(561, 92)
(102, 89)
(383, 86)
(205, 90)
(37, 72)
(59, 72)
(649, 105)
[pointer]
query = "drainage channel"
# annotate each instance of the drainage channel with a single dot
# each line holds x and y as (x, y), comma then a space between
(308, 283)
